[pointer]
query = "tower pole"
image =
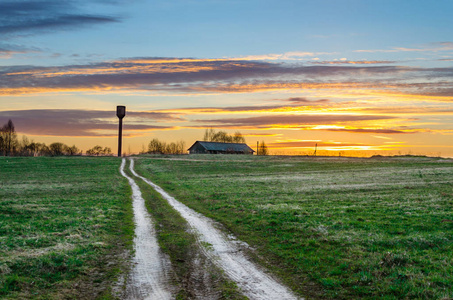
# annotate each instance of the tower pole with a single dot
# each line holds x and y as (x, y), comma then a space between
(120, 113)
(120, 137)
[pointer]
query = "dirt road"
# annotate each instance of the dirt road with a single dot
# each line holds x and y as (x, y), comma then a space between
(151, 271)
(226, 252)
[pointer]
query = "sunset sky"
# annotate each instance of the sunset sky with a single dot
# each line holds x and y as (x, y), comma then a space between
(355, 77)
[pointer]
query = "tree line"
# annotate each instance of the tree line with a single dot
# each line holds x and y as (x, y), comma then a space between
(158, 147)
(211, 135)
(11, 146)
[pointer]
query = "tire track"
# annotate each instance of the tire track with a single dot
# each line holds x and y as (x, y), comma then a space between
(225, 252)
(150, 275)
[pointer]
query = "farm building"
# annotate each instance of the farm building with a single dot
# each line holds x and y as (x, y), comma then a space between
(219, 148)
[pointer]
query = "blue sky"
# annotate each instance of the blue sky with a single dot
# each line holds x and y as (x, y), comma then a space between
(238, 28)
(368, 76)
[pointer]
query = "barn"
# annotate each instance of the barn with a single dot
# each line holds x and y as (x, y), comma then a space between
(200, 147)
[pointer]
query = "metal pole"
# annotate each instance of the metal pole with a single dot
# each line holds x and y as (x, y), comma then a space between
(120, 136)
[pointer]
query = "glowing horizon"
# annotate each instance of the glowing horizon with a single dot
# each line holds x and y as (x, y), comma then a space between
(348, 84)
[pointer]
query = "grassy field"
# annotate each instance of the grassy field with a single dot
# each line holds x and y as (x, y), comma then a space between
(329, 227)
(65, 226)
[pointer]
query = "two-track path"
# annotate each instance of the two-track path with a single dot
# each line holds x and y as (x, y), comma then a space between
(151, 269)
(224, 251)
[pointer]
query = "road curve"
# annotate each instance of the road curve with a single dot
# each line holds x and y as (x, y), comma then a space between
(226, 253)
(150, 274)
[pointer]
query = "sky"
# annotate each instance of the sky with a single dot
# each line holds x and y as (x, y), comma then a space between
(352, 77)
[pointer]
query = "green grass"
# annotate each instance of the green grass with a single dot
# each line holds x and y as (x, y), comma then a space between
(65, 226)
(329, 227)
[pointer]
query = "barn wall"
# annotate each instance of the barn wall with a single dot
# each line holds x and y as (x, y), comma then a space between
(197, 149)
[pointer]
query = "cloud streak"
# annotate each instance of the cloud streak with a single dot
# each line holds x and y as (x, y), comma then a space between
(186, 75)
(434, 47)
(311, 144)
(289, 104)
(375, 131)
(294, 121)
(44, 15)
(8, 50)
(81, 123)
(353, 62)
(295, 55)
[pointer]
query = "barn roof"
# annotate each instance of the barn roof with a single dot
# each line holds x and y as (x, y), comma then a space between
(216, 146)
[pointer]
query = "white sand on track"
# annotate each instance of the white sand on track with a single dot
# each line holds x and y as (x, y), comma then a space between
(149, 277)
(226, 253)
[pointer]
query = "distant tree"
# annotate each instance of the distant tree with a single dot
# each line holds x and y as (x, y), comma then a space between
(95, 151)
(238, 138)
(181, 146)
(171, 148)
(175, 148)
(262, 149)
(34, 149)
(9, 145)
(2, 143)
(211, 135)
(44, 150)
(26, 148)
(222, 137)
(30, 148)
(73, 151)
(8, 141)
(57, 149)
(107, 151)
(156, 147)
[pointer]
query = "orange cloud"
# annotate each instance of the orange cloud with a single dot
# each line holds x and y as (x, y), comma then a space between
(294, 121)
(186, 75)
(376, 131)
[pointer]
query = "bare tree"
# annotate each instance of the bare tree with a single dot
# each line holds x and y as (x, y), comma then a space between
(156, 147)
(211, 135)
(175, 148)
(238, 138)
(222, 137)
(57, 149)
(8, 139)
(262, 149)
(24, 147)
(74, 150)
(96, 151)
(107, 151)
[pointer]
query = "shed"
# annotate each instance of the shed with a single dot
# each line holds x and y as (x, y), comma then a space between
(200, 147)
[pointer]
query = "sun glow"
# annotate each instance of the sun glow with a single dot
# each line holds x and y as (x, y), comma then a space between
(323, 127)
